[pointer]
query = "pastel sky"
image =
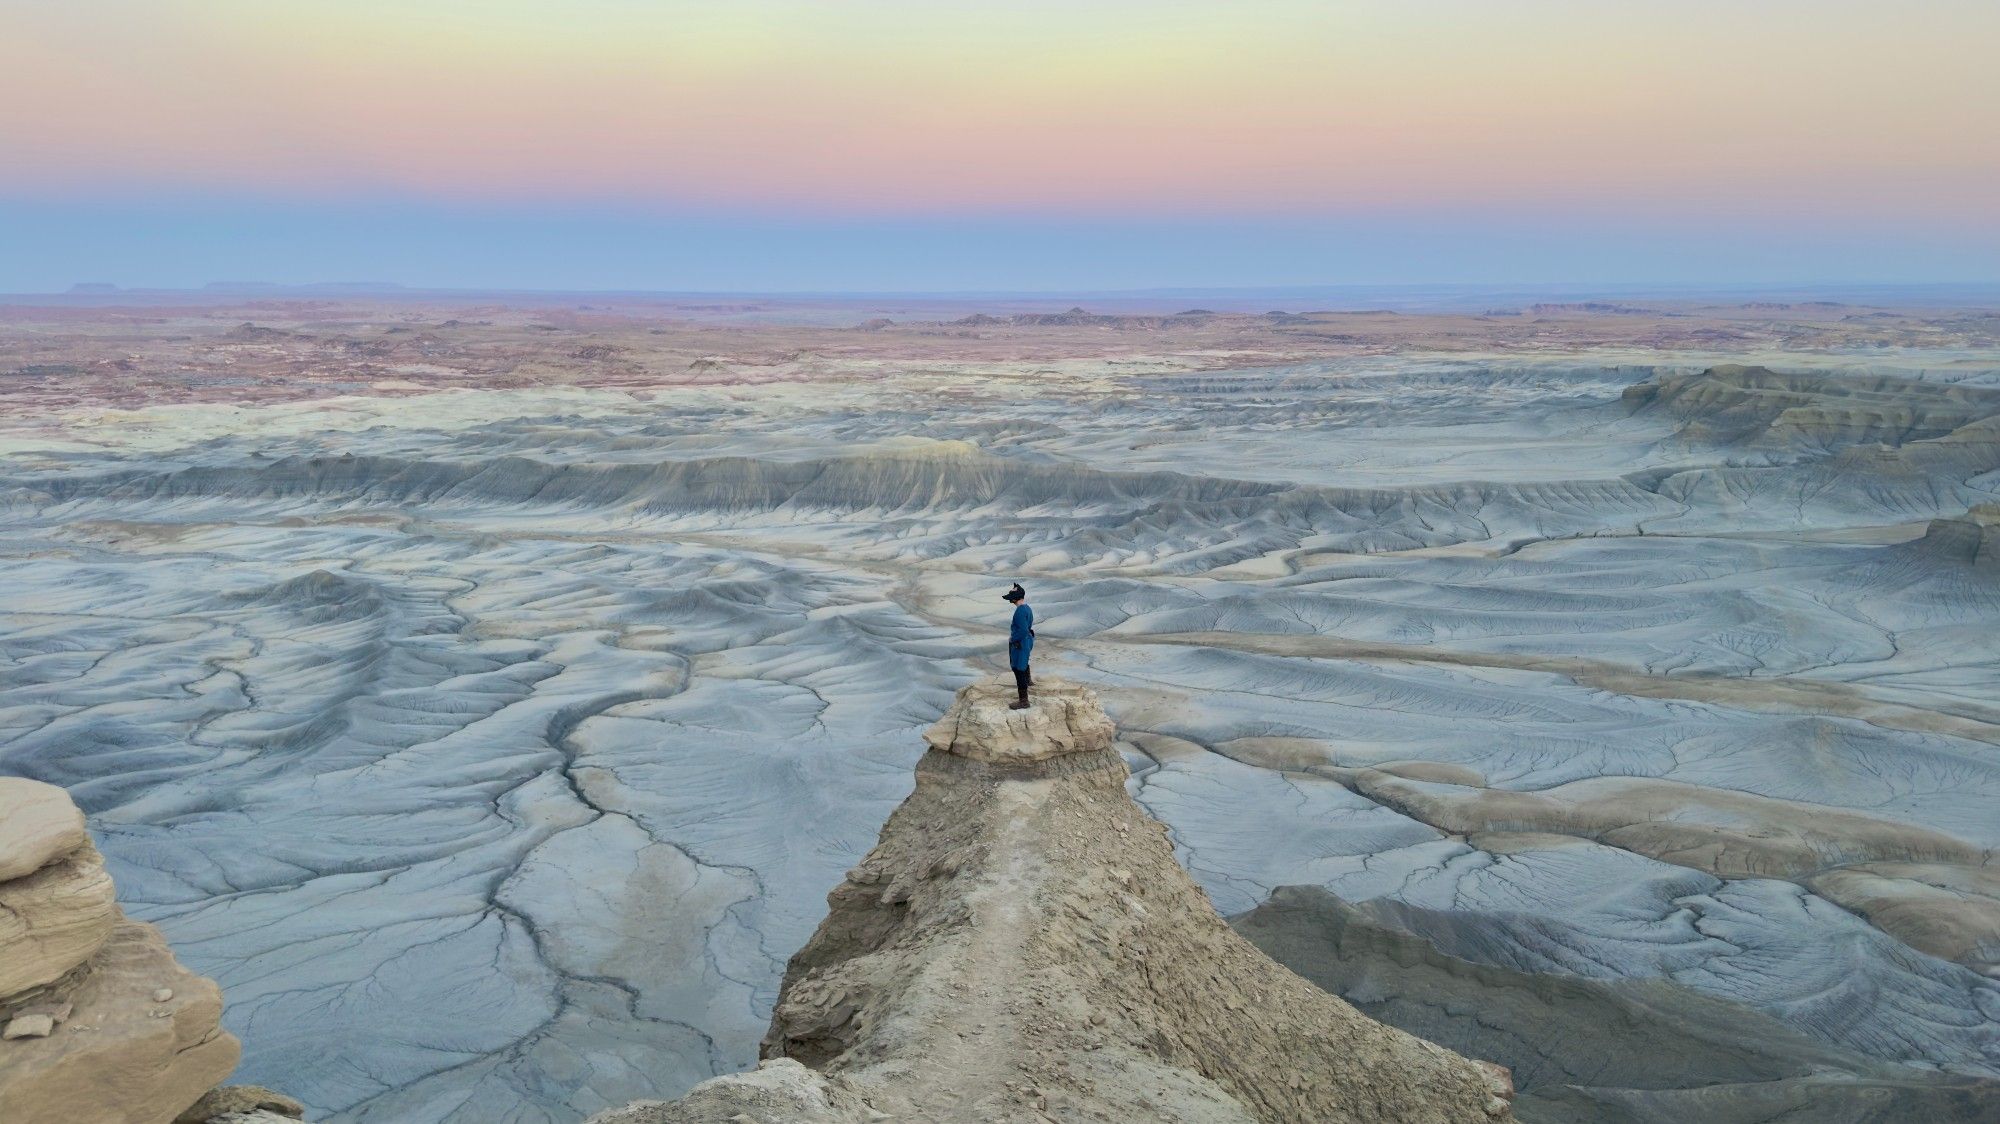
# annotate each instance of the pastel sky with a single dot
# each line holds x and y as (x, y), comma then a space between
(867, 144)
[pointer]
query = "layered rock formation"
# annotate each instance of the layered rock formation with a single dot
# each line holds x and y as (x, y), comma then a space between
(1022, 946)
(1973, 538)
(98, 1022)
(1756, 407)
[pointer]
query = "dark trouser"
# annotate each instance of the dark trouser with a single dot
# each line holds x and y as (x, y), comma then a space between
(1021, 682)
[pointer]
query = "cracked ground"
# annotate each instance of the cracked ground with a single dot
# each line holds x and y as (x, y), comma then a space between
(494, 753)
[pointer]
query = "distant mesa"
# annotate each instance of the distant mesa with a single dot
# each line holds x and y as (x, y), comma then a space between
(314, 287)
(1074, 318)
(253, 331)
(86, 287)
(1601, 308)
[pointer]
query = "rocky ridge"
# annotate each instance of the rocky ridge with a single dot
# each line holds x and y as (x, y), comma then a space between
(1022, 945)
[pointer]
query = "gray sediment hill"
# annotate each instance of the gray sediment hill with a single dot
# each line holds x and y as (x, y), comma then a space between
(1592, 1051)
(1021, 945)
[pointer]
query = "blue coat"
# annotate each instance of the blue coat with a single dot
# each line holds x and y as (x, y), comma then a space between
(1021, 637)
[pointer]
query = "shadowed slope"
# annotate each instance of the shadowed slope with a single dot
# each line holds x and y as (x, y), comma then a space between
(1587, 1051)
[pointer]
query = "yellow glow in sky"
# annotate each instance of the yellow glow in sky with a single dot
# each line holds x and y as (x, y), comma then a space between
(882, 106)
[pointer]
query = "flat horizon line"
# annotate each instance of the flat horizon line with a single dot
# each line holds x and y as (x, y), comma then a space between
(101, 291)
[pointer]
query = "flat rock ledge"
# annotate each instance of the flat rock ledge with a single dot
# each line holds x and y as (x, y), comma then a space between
(1062, 718)
(98, 1023)
(1022, 947)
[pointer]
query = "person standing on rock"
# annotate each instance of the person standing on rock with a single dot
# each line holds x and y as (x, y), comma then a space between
(1020, 644)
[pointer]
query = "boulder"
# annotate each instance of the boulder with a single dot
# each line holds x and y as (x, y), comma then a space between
(36, 1024)
(779, 1091)
(242, 1101)
(39, 823)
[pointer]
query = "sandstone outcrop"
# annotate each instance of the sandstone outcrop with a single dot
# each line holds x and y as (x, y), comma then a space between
(100, 1023)
(42, 824)
(54, 919)
(1022, 945)
(982, 727)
